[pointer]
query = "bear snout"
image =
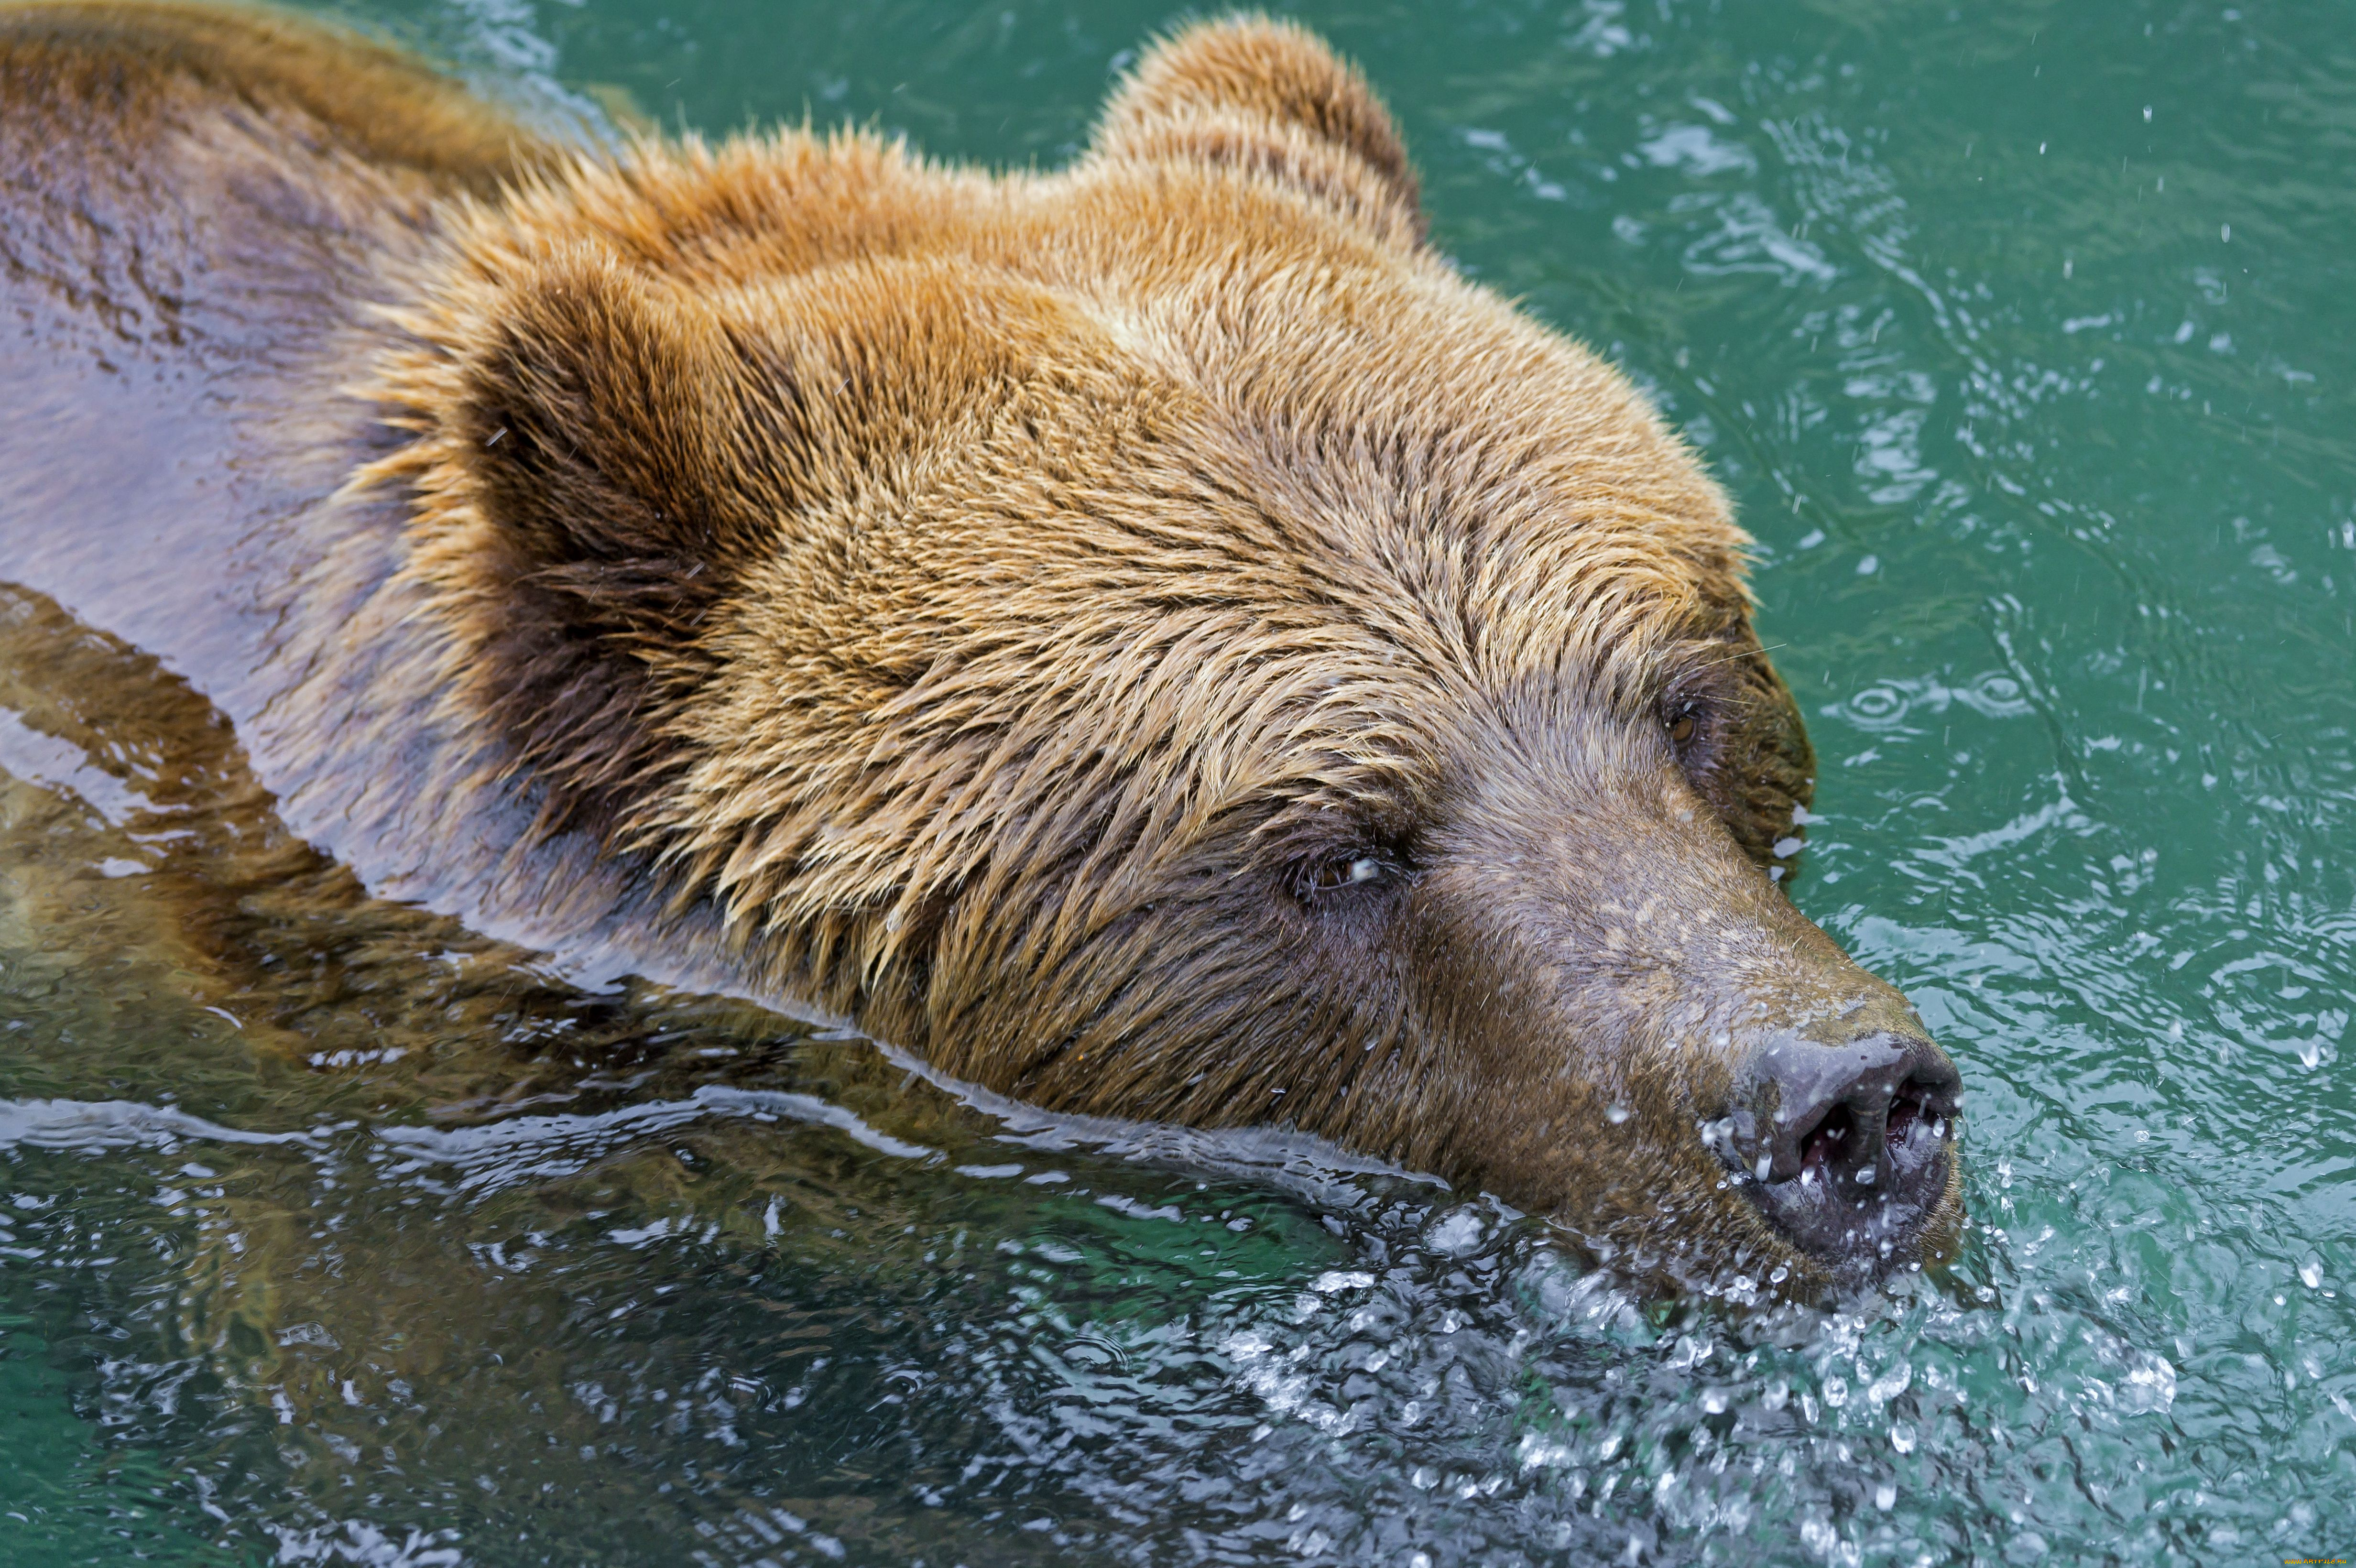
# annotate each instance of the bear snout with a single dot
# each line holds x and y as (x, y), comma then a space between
(1846, 1145)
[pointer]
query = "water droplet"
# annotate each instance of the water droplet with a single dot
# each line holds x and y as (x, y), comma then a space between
(1617, 1115)
(2311, 1271)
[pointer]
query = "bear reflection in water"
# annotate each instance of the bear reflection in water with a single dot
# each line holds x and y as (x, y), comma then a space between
(1148, 639)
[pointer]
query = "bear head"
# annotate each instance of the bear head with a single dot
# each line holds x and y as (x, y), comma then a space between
(1153, 639)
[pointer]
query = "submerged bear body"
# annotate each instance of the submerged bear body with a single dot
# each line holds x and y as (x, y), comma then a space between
(1148, 638)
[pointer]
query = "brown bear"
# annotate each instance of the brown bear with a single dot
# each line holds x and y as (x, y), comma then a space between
(1149, 638)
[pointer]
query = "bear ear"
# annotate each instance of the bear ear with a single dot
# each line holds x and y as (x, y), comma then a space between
(1268, 97)
(612, 458)
(1771, 780)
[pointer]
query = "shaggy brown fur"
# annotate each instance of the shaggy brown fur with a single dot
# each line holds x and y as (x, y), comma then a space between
(1148, 637)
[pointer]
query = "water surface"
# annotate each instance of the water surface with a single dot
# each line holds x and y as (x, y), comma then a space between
(2021, 333)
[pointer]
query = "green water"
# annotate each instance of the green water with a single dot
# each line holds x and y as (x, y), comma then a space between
(2021, 333)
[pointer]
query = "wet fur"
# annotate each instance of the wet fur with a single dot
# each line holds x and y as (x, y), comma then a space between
(968, 603)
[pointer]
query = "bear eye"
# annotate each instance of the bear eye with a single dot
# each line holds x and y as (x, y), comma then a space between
(1342, 871)
(1682, 725)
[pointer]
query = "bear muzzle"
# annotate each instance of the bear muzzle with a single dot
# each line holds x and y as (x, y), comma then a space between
(1847, 1145)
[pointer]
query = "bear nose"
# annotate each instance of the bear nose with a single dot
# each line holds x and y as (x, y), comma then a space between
(1845, 1146)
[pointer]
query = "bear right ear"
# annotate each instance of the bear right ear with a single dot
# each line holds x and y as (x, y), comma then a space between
(1268, 97)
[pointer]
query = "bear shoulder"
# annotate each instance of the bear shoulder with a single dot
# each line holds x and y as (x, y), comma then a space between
(200, 204)
(85, 78)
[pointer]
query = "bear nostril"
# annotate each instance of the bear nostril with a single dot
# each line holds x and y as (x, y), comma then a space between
(1905, 1114)
(1825, 1143)
(1851, 1136)
(1918, 1102)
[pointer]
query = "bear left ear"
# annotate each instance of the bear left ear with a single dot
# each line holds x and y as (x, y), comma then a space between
(612, 457)
(1270, 99)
